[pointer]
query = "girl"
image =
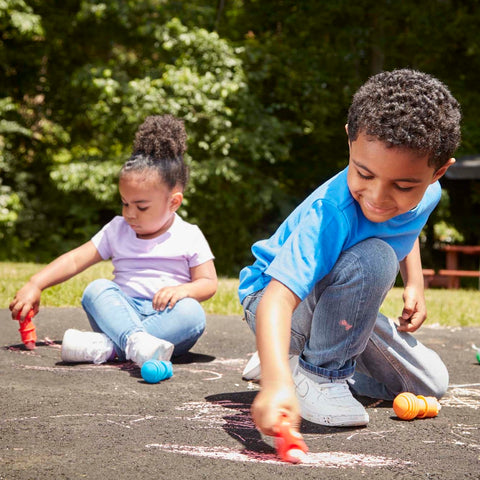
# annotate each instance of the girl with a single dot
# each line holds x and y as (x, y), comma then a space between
(163, 266)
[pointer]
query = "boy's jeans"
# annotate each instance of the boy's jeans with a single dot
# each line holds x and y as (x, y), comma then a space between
(117, 315)
(339, 333)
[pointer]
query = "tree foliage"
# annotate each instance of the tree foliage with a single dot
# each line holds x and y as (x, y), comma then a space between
(263, 87)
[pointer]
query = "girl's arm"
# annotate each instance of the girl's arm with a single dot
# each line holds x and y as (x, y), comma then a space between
(62, 268)
(273, 323)
(202, 287)
(414, 311)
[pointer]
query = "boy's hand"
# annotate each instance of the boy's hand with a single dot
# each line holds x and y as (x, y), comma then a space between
(272, 402)
(26, 299)
(167, 297)
(414, 311)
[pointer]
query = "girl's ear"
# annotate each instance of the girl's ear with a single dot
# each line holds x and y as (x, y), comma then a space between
(176, 200)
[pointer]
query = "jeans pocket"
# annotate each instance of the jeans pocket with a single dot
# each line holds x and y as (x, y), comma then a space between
(297, 342)
(250, 319)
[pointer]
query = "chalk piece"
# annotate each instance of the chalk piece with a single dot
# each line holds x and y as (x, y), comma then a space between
(289, 443)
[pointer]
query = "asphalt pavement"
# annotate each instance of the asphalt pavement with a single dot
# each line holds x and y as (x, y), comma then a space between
(85, 421)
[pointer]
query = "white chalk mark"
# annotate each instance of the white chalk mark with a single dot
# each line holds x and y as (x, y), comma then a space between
(148, 417)
(465, 433)
(119, 424)
(462, 396)
(130, 418)
(219, 413)
(82, 367)
(380, 434)
(215, 375)
(464, 385)
(323, 459)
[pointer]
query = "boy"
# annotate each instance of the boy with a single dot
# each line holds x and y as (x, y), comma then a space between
(317, 284)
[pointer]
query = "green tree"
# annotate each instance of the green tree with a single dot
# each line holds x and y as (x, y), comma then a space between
(140, 65)
(264, 88)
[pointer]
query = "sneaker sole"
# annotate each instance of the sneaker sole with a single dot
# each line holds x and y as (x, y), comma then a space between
(354, 421)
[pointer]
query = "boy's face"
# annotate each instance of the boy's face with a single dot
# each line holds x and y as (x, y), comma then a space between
(387, 182)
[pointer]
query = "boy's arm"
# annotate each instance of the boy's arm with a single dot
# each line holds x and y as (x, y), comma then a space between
(414, 311)
(202, 287)
(62, 268)
(273, 322)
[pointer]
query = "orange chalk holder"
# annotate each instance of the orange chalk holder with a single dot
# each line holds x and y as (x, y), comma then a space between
(27, 330)
(289, 444)
(408, 406)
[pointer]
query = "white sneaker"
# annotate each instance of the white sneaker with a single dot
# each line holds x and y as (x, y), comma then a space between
(80, 346)
(330, 403)
(252, 369)
(141, 346)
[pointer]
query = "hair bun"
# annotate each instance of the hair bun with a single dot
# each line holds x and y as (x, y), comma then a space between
(161, 137)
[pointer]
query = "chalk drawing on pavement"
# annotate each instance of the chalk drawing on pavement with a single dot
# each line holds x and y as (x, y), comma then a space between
(462, 396)
(322, 459)
(466, 435)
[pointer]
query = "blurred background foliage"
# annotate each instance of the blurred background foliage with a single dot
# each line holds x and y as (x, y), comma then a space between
(263, 87)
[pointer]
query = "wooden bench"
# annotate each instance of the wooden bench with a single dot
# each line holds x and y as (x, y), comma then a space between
(452, 272)
(428, 276)
(459, 273)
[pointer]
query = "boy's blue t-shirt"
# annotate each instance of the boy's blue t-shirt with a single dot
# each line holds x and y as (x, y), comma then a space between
(309, 242)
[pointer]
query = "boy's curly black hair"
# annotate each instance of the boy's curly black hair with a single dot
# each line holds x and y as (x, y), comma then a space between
(160, 143)
(410, 109)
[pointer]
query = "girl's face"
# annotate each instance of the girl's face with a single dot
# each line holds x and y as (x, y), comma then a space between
(148, 205)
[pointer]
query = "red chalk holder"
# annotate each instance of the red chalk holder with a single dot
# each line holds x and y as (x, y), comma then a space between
(27, 330)
(289, 443)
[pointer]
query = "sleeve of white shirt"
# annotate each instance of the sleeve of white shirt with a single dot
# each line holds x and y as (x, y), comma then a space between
(101, 239)
(200, 251)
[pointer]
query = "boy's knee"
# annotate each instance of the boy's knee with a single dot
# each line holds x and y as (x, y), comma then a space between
(377, 259)
(437, 383)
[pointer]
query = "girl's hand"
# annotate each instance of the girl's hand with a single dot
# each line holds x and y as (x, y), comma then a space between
(27, 298)
(167, 297)
(272, 402)
(414, 310)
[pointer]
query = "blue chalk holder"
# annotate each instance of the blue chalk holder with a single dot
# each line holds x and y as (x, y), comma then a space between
(154, 371)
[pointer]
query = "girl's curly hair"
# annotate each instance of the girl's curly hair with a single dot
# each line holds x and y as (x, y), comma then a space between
(410, 109)
(160, 143)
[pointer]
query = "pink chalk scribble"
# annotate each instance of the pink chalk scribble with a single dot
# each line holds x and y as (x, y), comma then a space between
(345, 324)
(51, 343)
(322, 459)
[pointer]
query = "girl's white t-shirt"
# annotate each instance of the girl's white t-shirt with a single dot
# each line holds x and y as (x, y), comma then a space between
(142, 267)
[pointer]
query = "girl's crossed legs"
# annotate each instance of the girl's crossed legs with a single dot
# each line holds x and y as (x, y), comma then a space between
(117, 315)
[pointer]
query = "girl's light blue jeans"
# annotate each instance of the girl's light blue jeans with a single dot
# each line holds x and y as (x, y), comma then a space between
(339, 333)
(117, 315)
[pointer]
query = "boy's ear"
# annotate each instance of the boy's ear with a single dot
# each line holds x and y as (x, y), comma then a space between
(441, 171)
(176, 201)
(346, 128)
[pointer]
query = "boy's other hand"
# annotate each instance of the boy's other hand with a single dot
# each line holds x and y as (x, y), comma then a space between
(272, 402)
(414, 310)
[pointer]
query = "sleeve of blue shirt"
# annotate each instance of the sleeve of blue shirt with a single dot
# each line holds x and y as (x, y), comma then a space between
(311, 249)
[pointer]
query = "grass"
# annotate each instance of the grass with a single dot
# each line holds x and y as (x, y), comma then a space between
(445, 307)
(14, 275)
